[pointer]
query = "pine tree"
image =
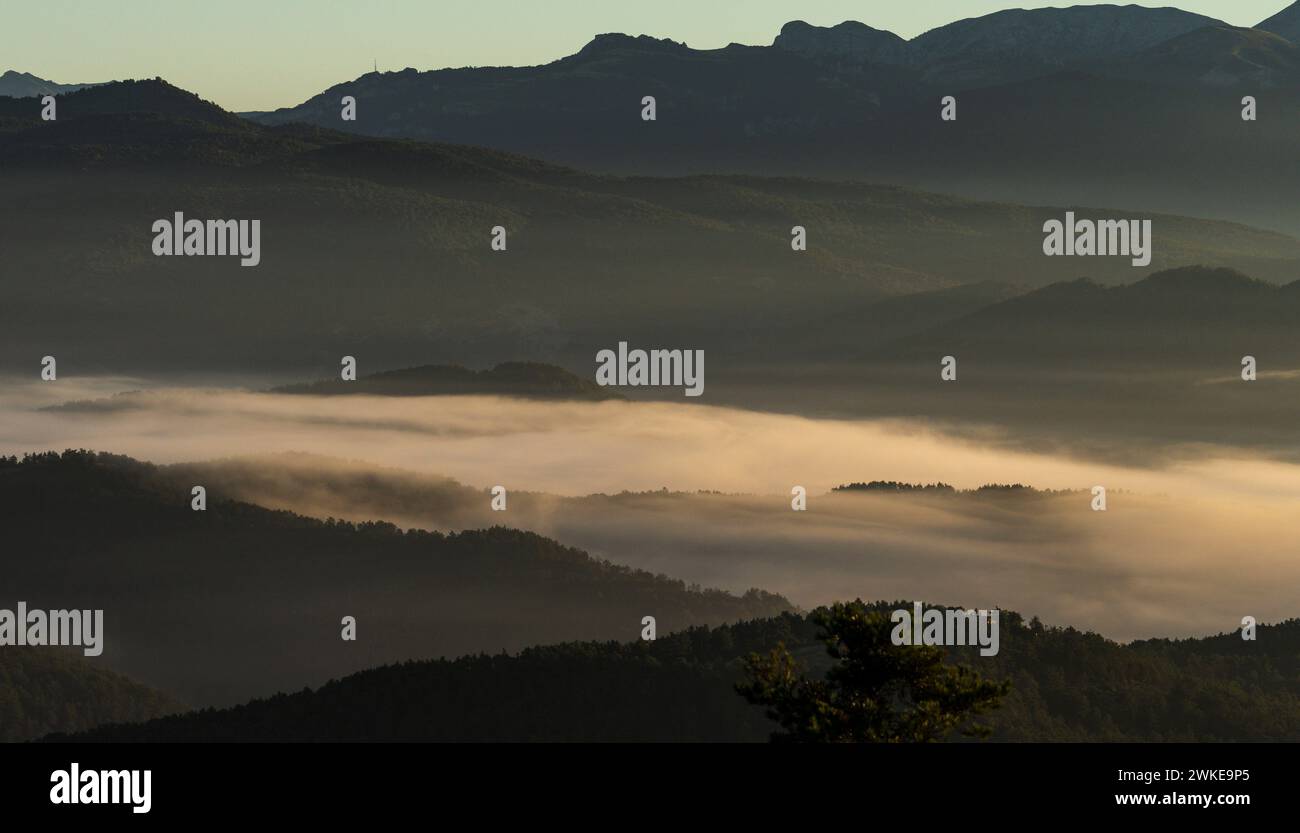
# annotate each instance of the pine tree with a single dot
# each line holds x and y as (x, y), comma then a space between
(876, 692)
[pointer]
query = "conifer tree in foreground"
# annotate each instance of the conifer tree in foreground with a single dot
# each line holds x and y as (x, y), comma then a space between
(876, 692)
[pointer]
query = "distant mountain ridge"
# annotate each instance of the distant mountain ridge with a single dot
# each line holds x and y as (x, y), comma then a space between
(1216, 56)
(1196, 314)
(123, 98)
(14, 84)
(849, 39)
(1132, 84)
(585, 266)
(1004, 45)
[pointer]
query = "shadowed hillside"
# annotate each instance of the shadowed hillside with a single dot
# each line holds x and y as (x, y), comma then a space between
(44, 690)
(381, 249)
(219, 605)
(1066, 686)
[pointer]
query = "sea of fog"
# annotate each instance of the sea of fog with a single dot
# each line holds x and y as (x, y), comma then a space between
(1184, 549)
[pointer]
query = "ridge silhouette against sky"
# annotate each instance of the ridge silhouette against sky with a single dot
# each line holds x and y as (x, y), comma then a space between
(251, 55)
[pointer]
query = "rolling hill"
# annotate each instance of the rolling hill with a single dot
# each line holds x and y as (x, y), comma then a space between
(220, 605)
(44, 690)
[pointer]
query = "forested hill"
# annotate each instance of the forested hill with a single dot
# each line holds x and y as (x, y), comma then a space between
(1066, 686)
(383, 249)
(45, 690)
(235, 601)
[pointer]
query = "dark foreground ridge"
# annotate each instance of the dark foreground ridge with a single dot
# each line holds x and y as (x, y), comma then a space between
(1067, 685)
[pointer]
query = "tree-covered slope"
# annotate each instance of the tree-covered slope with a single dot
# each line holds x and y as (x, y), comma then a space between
(219, 605)
(45, 690)
(1067, 685)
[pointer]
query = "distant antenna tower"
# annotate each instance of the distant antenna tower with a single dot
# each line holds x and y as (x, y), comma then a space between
(376, 65)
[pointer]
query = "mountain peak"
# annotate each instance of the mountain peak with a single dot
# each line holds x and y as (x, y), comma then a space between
(153, 95)
(618, 42)
(849, 39)
(1007, 43)
(15, 84)
(1202, 278)
(1285, 23)
(132, 123)
(1058, 35)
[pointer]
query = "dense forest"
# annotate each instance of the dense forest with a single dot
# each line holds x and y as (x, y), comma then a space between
(1066, 685)
(220, 605)
(45, 690)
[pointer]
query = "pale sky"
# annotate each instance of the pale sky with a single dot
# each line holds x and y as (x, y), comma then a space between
(263, 54)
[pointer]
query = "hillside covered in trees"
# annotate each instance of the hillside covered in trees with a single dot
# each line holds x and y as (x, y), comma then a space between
(381, 249)
(1066, 685)
(45, 690)
(220, 605)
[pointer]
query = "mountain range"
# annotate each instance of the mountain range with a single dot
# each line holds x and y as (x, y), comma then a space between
(1094, 104)
(380, 248)
(1176, 318)
(1002, 46)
